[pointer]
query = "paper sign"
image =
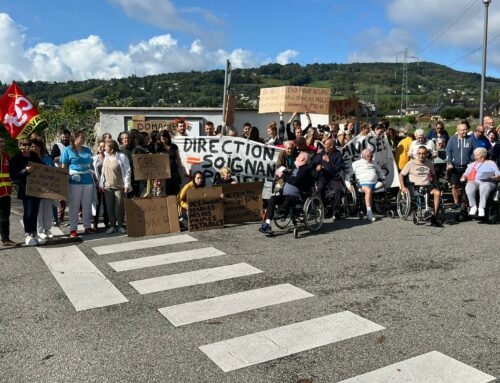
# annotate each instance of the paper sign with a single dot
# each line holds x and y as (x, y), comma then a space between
(242, 202)
(152, 125)
(150, 216)
(343, 107)
(205, 209)
(294, 99)
(151, 166)
(47, 182)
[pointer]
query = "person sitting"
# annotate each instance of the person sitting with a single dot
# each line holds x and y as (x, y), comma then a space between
(440, 160)
(420, 172)
(368, 174)
(224, 177)
(197, 182)
(295, 183)
(481, 175)
(421, 140)
(328, 165)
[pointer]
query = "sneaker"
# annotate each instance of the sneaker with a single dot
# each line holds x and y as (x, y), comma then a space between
(370, 217)
(49, 234)
(122, 230)
(9, 243)
(265, 228)
(111, 230)
(42, 236)
(473, 210)
(481, 212)
(89, 230)
(40, 240)
(30, 240)
(73, 234)
(455, 206)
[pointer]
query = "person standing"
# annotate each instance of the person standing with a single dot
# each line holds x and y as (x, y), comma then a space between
(5, 192)
(78, 159)
(172, 185)
(56, 152)
(97, 162)
(115, 181)
(20, 170)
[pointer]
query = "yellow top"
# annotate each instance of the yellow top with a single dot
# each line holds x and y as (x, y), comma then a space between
(402, 152)
(182, 197)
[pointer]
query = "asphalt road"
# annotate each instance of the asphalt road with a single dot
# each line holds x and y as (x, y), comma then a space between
(430, 288)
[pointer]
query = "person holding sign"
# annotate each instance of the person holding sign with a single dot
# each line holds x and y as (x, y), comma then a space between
(197, 182)
(115, 181)
(20, 170)
(173, 185)
(297, 126)
(5, 192)
(78, 159)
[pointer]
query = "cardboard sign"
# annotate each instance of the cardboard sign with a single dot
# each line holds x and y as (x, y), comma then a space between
(48, 182)
(294, 99)
(152, 125)
(242, 202)
(150, 216)
(151, 166)
(206, 209)
(343, 107)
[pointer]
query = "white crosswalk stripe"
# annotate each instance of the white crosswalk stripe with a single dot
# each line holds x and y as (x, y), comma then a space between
(85, 286)
(165, 259)
(432, 367)
(198, 311)
(248, 350)
(143, 244)
(192, 278)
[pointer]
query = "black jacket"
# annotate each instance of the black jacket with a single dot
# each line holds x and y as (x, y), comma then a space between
(303, 180)
(331, 169)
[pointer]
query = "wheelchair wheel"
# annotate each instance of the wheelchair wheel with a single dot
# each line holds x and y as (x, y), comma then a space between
(403, 202)
(282, 221)
(493, 216)
(296, 233)
(390, 214)
(349, 201)
(313, 213)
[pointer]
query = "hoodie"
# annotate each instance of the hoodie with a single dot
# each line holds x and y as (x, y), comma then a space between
(459, 150)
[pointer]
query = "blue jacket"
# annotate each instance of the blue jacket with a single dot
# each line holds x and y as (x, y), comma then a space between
(459, 150)
(482, 142)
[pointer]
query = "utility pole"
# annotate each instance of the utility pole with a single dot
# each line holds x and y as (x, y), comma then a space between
(404, 83)
(483, 71)
(227, 82)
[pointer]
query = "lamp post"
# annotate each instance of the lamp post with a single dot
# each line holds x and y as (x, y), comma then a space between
(483, 73)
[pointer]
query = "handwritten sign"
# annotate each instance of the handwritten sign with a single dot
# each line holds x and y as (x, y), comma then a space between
(150, 216)
(151, 166)
(242, 202)
(142, 125)
(294, 99)
(48, 182)
(343, 107)
(206, 210)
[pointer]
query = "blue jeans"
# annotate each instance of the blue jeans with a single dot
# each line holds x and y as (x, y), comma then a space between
(31, 206)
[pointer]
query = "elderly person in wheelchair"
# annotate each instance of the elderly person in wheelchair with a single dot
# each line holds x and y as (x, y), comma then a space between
(481, 175)
(296, 182)
(420, 172)
(368, 176)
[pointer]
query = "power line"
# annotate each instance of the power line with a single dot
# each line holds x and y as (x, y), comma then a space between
(447, 28)
(460, 58)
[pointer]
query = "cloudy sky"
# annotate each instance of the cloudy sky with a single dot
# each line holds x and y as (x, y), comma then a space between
(60, 40)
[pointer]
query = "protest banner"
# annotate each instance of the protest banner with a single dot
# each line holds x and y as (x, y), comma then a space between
(206, 209)
(294, 99)
(151, 166)
(242, 202)
(47, 182)
(341, 108)
(150, 216)
(248, 160)
(382, 155)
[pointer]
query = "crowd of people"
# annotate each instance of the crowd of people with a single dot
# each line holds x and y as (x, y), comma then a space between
(100, 180)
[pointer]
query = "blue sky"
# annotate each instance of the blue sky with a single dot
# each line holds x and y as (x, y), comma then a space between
(62, 40)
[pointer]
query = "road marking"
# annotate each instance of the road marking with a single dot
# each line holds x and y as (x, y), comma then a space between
(165, 259)
(143, 244)
(85, 286)
(432, 367)
(198, 311)
(192, 278)
(264, 346)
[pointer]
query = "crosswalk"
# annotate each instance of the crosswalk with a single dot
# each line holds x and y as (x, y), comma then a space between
(87, 288)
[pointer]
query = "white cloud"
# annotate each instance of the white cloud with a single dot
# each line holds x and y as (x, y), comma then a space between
(284, 57)
(91, 58)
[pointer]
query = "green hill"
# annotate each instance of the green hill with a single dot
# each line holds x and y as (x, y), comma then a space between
(379, 83)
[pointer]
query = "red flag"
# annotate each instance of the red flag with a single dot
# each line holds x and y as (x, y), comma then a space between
(17, 113)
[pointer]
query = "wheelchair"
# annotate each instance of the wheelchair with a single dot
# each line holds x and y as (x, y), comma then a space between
(492, 210)
(308, 214)
(381, 201)
(419, 203)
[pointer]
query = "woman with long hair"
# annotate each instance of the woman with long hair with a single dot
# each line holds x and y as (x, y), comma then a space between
(78, 160)
(173, 185)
